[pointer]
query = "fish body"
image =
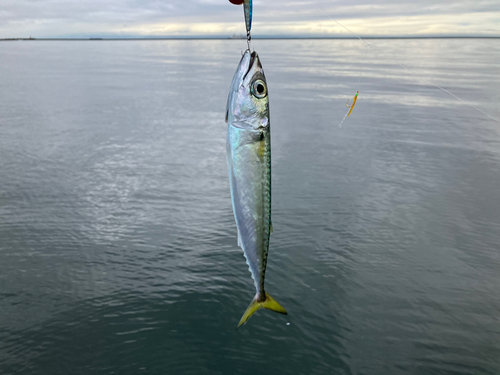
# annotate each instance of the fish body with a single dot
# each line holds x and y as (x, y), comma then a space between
(249, 163)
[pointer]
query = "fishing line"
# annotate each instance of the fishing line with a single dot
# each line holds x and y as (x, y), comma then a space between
(341, 122)
(355, 97)
(404, 67)
(359, 78)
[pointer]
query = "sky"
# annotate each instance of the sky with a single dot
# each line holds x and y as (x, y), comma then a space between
(155, 18)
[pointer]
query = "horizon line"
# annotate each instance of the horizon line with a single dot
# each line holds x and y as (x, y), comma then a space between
(238, 37)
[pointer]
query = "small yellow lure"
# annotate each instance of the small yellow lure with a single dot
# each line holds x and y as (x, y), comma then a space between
(353, 103)
(351, 108)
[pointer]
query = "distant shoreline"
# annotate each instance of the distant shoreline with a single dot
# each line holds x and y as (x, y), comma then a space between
(257, 37)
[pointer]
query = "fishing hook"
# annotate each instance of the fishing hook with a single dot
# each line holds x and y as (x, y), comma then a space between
(249, 38)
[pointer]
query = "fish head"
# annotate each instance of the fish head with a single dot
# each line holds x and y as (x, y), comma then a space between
(248, 101)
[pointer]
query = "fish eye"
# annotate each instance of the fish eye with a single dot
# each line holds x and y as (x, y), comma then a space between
(259, 89)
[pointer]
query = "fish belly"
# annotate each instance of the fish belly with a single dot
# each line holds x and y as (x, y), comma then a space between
(249, 163)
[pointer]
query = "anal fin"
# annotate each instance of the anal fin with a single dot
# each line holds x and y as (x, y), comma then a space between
(240, 244)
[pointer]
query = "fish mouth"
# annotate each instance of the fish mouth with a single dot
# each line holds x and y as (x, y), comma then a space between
(253, 58)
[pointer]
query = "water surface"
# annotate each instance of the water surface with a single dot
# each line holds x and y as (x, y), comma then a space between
(118, 250)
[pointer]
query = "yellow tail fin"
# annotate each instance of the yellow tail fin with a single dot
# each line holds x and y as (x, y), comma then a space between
(269, 303)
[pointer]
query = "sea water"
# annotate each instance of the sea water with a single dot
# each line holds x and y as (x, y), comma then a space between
(118, 247)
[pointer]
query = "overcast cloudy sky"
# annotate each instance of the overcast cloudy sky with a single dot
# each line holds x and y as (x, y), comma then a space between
(116, 18)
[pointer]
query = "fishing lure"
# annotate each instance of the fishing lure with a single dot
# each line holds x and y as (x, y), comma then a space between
(353, 103)
(247, 7)
(351, 107)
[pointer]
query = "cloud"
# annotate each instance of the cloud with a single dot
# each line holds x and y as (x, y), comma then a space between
(58, 18)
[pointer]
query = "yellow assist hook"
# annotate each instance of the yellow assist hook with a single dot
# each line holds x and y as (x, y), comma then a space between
(353, 103)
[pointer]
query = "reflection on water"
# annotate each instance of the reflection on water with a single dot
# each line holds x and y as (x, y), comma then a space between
(118, 246)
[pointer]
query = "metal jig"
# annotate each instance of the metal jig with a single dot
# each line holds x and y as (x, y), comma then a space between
(247, 8)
